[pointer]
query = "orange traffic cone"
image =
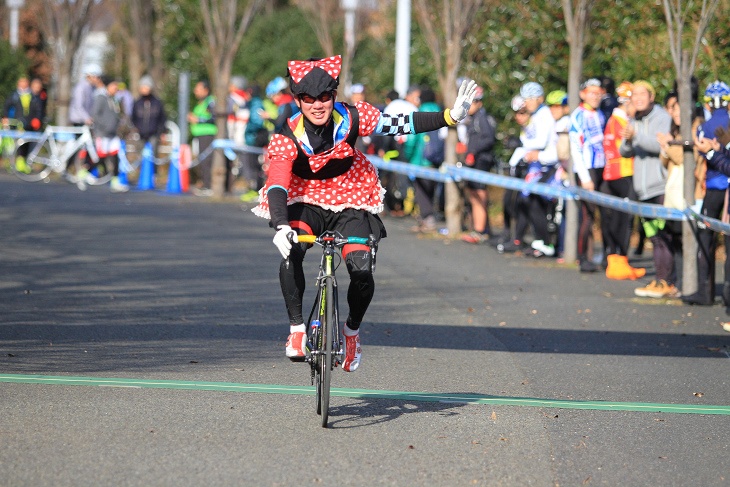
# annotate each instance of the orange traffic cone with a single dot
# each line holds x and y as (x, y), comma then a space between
(184, 165)
(619, 268)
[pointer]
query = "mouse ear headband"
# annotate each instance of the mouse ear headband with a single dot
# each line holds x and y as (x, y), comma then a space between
(314, 76)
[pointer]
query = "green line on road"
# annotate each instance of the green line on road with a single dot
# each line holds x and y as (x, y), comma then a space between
(367, 394)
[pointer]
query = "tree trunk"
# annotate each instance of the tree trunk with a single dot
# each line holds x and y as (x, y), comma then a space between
(575, 70)
(689, 242)
(63, 89)
(218, 179)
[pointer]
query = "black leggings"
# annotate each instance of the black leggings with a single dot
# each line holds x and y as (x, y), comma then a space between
(712, 207)
(588, 219)
(617, 224)
(308, 219)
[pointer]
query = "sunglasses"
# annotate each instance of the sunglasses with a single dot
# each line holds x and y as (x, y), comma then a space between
(521, 112)
(324, 97)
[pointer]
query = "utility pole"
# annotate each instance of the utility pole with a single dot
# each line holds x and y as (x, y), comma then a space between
(14, 6)
(403, 47)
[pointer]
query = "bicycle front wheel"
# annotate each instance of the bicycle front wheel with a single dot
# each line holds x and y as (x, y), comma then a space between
(32, 161)
(327, 357)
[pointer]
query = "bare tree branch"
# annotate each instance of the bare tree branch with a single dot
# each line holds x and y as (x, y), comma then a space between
(222, 39)
(321, 15)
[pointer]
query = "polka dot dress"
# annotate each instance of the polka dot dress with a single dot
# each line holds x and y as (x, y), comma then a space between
(357, 188)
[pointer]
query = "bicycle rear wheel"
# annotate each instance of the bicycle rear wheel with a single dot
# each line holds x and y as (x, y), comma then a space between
(31, 161)
(103, 172)
(327, 356)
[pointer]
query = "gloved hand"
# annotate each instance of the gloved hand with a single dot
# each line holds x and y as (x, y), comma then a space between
(464, 99)
(284, 238)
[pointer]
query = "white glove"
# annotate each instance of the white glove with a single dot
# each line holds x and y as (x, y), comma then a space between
(464, 99)
(284, 238)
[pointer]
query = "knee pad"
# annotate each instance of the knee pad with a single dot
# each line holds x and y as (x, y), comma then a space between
(359, 262)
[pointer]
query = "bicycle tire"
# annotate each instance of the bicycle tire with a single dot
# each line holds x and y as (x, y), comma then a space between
(328, 340)
(103, 172)
(36, 165)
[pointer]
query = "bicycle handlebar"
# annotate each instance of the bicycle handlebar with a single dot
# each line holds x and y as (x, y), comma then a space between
(331, 238)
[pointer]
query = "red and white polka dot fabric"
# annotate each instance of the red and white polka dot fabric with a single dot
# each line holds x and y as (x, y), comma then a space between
(358, 188)
(299, 69)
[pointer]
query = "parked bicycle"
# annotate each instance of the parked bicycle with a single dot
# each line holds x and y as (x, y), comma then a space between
(51, 151)
(325, 345)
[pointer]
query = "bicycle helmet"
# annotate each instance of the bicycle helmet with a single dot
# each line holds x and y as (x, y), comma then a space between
(517, 103)
(531, 90)
(275, 86)
(717, 94)
(557, 97)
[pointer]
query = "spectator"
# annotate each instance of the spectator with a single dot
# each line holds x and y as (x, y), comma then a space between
(148, 114)
(650, 177)
(481, 137)
(106, 114)
(397, 185)
(357, 93)
(538, 157)
(79, 110)
(27, 108)
(717, 152)
(557, 101)
(203, 130)
(41, 95)
(125, 99)
(586, 147)
(278, 92)
(256, 135)
(505, 243)
(238, 110)
(717, 96)
(82, 97)
(609, 100)
(414, 151)
(364, 144)
(618, 181)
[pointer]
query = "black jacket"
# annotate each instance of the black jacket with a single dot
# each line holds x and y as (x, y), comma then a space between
(14, 109)
(148, 116)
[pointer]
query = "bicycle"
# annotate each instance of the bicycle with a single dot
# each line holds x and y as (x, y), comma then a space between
(324, 337)
(50, 152)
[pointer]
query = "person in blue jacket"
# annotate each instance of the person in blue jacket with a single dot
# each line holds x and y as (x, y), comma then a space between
(717, 97)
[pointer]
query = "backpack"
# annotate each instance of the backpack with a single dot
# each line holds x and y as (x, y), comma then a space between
(434, 148)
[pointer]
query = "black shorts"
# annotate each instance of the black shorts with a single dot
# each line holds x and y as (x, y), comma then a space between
(314, 220)
(482, 164)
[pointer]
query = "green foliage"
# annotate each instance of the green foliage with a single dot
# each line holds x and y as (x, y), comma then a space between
(13, 65)
(271, 41)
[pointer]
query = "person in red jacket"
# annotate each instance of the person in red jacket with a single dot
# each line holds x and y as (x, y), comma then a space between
(618, 177)
(319, 181)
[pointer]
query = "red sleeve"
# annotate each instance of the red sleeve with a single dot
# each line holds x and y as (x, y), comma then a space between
(369, 117)
(282, 152)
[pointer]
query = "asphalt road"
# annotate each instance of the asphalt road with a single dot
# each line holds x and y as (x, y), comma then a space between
(491, 360)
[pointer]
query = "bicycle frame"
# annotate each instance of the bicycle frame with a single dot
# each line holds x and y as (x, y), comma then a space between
(325, 344)
(63, 143)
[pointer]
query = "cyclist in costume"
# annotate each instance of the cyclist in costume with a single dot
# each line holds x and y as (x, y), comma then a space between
(318, 181)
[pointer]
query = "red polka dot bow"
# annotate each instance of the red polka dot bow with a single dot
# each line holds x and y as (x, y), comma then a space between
(299, 69)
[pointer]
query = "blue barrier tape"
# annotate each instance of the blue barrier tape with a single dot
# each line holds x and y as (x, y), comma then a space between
(707, 222)
(410, 169)
(20, 134)
(452, 173)
(229, 145)
(517, 184)
(645, 210)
